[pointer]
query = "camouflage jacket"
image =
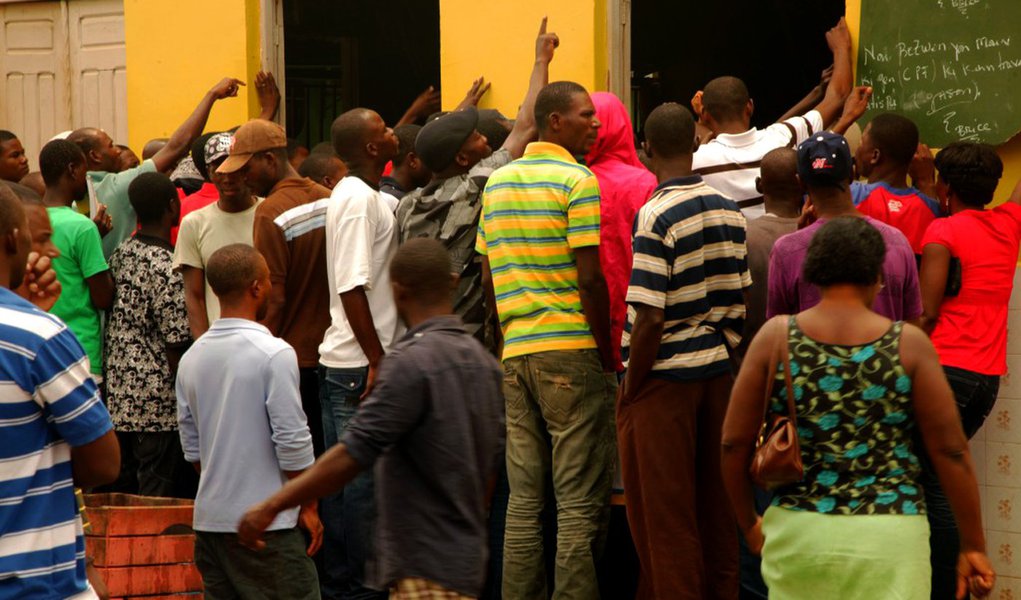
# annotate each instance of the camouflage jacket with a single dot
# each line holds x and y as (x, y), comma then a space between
(448, 210)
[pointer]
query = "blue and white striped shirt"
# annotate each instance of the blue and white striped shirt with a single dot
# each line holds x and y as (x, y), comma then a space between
(48, 404)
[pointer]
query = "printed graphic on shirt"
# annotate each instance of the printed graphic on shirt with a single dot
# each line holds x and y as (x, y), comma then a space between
(148, 313)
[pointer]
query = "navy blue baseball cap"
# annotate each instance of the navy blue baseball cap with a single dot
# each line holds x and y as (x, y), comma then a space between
(824, 159)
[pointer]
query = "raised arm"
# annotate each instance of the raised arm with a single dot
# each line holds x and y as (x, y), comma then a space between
(424, 105)
(923, 171)
(812, 98)
(854, 107)
(839, 41)
(524, 126)
(180, 141)
(269, 95)
(475, 93)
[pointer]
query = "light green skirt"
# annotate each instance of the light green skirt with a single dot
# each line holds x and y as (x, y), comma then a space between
(844, 557)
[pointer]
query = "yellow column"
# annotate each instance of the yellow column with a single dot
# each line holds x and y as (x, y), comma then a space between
(496, 40)
(176, 51)
(1009, 152)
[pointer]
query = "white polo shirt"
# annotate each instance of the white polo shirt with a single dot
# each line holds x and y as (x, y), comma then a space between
(361, 238)
(729, 163)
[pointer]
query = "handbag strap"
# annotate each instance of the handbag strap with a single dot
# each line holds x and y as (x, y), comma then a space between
(782, 351)
(788, 379)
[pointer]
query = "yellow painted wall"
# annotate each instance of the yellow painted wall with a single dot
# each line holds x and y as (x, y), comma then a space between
(1010, 152)
(173, 58)
(177, 51)
(495, 39)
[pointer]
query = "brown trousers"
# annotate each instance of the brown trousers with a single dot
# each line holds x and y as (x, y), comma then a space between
(681, 520)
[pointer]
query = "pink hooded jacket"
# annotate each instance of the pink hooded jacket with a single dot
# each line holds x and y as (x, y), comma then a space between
(625, 185)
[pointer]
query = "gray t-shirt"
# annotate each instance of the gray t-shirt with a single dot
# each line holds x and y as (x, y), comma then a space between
(435, 423)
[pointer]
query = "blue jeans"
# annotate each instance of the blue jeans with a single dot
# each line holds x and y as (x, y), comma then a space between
(975, 395)
(348, 516)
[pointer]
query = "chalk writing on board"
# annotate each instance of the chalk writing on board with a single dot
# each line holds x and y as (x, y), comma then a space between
(957, 72)
(961, 6)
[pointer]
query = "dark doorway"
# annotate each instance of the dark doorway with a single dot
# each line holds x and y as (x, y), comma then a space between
(345, 53)
(778, 47)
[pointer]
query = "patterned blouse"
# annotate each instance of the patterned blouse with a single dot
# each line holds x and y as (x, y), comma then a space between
(855, 425)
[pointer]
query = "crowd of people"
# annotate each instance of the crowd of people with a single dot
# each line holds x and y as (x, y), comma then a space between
(408, 363)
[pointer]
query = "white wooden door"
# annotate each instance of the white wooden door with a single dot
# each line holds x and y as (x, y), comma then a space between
(35, 97)
(62, 66)
(99, 83)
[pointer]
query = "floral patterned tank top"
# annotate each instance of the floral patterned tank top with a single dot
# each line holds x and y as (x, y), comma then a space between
(855, 425)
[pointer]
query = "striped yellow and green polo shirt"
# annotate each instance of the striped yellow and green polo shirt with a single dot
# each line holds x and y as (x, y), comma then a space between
(535, 211)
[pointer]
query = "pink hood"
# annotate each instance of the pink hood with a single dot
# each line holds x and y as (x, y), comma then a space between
(624, 185)
(616, 143)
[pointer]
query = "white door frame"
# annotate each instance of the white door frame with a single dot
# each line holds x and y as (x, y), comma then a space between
(618, 37)
(271, 52)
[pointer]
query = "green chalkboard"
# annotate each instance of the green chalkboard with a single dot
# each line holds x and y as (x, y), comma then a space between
(952, 66)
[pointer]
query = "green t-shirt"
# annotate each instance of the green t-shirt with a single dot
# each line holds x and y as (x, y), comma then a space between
(111, 189)
(81, 257)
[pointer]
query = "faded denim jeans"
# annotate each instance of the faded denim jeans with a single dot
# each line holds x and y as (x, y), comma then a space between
(349, 515)
(560, 423)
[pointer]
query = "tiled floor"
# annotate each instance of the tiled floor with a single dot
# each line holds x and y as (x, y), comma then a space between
(996, 451)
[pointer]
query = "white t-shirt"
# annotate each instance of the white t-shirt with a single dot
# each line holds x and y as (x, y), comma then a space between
(390, 200)
(361, 238)
(729, 163)
(205, 231)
